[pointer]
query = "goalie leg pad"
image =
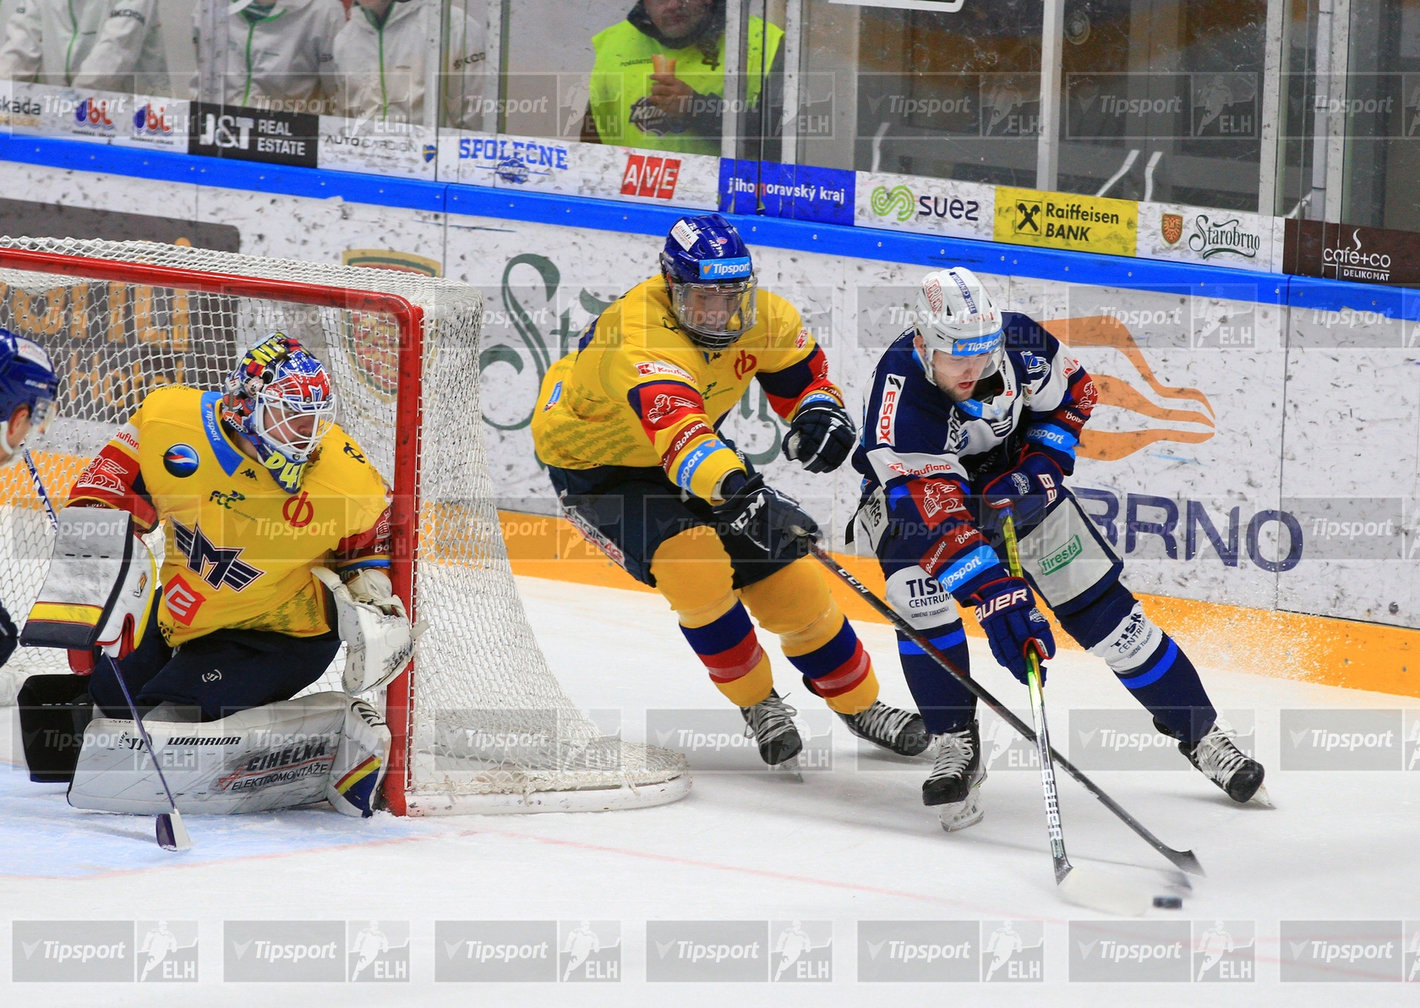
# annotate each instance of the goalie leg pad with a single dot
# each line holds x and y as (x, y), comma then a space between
(53, 712)
(280, 755)
(354, 782)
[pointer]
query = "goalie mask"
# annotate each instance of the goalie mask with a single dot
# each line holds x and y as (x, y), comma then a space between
(26, 379)
(710, 279)
(959, 332)
(280, 398)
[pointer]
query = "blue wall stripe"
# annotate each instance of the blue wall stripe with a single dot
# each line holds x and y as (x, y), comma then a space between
(635, 218)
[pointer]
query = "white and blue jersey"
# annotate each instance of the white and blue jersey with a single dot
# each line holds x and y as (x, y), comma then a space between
(922, 454)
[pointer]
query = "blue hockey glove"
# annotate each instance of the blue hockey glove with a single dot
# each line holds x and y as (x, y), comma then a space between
(770, 520)
(1006, 610)
(1030, 488)
(820, 436)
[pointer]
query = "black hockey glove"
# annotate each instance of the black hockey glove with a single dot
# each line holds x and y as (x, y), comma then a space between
(820, 436)
(763, 516)
(8, 635)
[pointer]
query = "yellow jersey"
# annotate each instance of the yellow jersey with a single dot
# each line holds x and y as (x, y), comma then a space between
(638, 392)
(239, 549)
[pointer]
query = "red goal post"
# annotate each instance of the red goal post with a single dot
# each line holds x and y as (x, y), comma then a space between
(480, 723)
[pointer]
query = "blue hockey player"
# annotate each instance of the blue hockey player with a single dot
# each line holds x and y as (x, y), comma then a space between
(970, 409)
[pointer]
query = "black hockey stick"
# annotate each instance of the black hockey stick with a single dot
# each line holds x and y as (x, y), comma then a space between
(1086, 887)
(1183, 859)
(171, 833)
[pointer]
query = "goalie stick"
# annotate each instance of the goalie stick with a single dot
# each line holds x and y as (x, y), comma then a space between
(171, 833)
(1182, 859)
(1085, 887)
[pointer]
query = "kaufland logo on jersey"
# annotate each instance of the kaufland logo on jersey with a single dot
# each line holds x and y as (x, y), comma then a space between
(647, 175)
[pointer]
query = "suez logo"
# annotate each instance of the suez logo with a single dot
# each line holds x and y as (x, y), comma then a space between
(902, 204)
(648, 175)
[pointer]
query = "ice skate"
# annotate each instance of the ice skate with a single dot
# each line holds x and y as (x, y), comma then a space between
(892, 728)
(1220, 760)
(771, 724)
(955, 781)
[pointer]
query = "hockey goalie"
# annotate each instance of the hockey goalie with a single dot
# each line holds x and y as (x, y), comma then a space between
(277, 536)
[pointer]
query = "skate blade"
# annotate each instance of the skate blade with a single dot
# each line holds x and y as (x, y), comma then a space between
(1261, 797)
(960, 815)
(790, 769)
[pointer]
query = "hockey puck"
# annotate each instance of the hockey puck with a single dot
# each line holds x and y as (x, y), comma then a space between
(1169, 902)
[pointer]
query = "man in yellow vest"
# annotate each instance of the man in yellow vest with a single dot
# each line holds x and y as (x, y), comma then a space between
(659, 78)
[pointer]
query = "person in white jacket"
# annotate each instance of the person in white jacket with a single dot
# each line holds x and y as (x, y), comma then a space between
(382, 61)
(270, 54)
(104, 45)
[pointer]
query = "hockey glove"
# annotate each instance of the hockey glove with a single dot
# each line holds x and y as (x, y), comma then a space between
(9, 636)
(1030, 488)
(770, 520)
(820, 436)
(1007, 611)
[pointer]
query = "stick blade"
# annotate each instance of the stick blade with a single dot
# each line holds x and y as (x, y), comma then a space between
(172, 834)
(1105, 893)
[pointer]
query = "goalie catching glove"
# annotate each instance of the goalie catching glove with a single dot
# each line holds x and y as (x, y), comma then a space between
(379, 642)
(99, 590)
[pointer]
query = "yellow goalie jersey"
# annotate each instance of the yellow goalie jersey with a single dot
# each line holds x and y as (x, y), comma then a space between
(638, 392)
(239, 549)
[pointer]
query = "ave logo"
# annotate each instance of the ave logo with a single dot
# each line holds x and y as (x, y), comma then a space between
(647, 175)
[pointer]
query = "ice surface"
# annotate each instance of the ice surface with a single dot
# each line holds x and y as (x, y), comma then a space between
(849, 852)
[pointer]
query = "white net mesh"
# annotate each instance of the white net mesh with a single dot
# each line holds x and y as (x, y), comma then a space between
(488, 728)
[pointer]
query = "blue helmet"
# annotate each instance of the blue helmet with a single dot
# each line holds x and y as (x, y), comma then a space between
(26, 379)
(711, 281)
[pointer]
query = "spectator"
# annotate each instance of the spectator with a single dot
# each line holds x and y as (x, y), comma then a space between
(659, 78)
(381, 61)
(274, 54)
(104, 45)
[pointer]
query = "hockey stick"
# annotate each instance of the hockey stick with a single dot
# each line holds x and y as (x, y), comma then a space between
(171, 833)
(1183, 859)
(1085, 887)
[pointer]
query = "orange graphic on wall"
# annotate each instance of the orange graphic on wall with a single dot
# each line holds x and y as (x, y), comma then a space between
(1156, 421)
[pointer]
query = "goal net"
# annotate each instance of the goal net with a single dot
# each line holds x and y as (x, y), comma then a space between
(479, 722)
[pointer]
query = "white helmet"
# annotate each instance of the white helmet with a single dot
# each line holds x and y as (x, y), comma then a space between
(955, 314)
